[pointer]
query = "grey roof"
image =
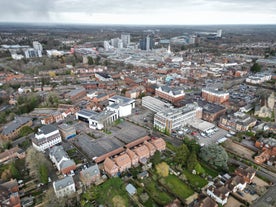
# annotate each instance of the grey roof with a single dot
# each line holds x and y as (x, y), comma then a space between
(66, 163)
(98, 116)
(121, 99)
(175, 91)
(75, 91)
(15, 124)
(58, 152)
(47, 129)
(65, 127)
(59, 184)
(130, 189)
(91, 171)
(210, 107)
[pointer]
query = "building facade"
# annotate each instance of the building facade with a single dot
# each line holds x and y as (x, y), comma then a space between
(171, 119)
(172, 95)
(64, 187)
(46, 137)
(214, 95)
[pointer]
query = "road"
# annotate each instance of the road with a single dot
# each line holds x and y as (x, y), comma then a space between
(268, 199)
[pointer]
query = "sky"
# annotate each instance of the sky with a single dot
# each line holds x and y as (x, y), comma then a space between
(140, 12)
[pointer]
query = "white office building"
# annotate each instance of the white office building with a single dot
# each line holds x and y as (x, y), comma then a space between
(121, 105)
(155, 104)
(126, 39)
(46, 137)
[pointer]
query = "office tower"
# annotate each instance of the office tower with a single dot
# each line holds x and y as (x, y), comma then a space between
(126, 39)
(37, 46)
(219, 33)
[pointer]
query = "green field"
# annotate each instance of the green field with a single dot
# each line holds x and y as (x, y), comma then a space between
(208, 170)
(195, 180)
(177, 187)
(113, 193)
(156, 193)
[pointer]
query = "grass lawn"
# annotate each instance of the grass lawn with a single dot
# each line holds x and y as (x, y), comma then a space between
(155, 193)
(195, 180)
(177, 187)
(209, 170)
(113, 193)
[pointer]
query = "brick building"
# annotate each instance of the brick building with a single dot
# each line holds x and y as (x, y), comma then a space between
(214, 95)
(172, 95)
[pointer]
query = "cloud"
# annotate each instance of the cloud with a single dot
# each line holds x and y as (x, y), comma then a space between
(99, 11)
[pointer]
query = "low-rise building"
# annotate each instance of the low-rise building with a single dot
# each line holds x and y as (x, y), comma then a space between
(206, 202)
(12, 153)
(172, 95)
(61, 160)
(122, 106)
(258, 78)
(150, 147)
(97, 120)
(90, 175)
(211, 111)
(67, 131)
(219, 193)
(236, 183)
(248, 173)
(9, 194)
(214, 95)
(133, 157)
(171, 119)
(155, 104)
(237, 122)
(46, 137)
(142, 153)
(12, 129)
(64, 187)
(123, 161)
(76, 94)
(110, 167)
(159, 144)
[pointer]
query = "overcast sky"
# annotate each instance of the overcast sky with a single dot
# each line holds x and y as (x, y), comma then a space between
(140, 11)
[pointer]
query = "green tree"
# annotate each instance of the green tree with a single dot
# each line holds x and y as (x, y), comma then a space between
(156, 158)
(255, 68)
(215, 155)
(90, 60)
(181, 155)
(162, 169)
(43, 173)
(192, 161)
(24, 131)
(14, 171)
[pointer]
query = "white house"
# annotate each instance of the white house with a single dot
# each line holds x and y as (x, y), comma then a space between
(46, 137)
(64, 187)
(122, 106)
(219, 193)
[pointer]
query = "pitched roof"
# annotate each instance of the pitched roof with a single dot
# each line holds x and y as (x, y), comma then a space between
(64, 182)
(91, 171)
(122, 160)
(109, 164)
(15, 124)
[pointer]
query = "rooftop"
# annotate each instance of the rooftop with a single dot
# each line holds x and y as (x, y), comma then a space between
(15, 124)
(64, 182)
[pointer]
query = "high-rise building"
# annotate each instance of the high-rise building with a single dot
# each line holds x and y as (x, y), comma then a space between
(37, 46)
(219, 33)
(147, 43)
(126, 39)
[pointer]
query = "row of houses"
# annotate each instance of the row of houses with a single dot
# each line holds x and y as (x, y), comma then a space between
(131, 157)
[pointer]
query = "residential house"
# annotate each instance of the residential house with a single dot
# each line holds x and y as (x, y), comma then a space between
(64, 187)
(219, 193)
(142, 152)
(61, 160)
(236, 183)
(134, 158)
(247, 173)
(12, 153)
(123, 161)
(158, 143)
(11, 130)
(206, 202)
(90, 175)
(9, 194)
(46, 137)
(110, 167)
(150, 147)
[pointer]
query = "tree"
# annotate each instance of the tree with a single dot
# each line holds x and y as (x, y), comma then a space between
(192, 161)
(215, 155)
(255, 68)
(162, 169)
(181, 155)
(156, 158)
(25, 130)
(14, 171)
(43, 173)
(50, 199)
(90, 60)
(6, 175)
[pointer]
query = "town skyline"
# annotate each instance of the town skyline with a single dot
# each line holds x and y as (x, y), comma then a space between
(200, 12)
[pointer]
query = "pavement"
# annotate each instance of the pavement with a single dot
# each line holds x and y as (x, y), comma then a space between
(268, 199)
